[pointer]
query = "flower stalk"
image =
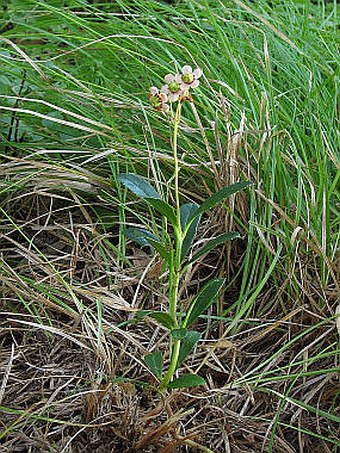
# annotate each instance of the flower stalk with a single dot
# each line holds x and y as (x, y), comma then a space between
(176, 89)
(175, 247)
(175, 269)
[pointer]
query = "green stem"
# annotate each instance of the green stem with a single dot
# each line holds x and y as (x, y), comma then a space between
(176, 171)
(175, 266)
(173, 365)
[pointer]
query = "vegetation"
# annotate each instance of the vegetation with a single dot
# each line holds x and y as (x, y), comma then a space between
(78, 296)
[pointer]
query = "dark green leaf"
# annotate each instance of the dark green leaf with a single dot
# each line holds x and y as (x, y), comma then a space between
(213, 243)
(155, 363)
(140, 314)
(145, 237)
(163, 318)
(219, 196)
(187, 380)
(203, 300)
(179, 334)
(187, 345)
(160, 249)
(140, 236)
(139, 186)
(163, 208)
(187, 211)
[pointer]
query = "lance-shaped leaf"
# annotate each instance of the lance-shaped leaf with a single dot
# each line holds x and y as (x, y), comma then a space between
(187, 211)
(145, 237)
(179, 334)
(203, 300)
(187, 345)
(186, 381)
(140, 236)
(140, 314)
(163, 208)
(154, 362)
(163, 318)
(212, 244)
(139, 186)
(160, 249)
(219, 196)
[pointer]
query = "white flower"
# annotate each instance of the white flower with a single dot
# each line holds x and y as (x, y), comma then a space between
(158, 100)
(173, 87)
(176, 88)
(189, 78)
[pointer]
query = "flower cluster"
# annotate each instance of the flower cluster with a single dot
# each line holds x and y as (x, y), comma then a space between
(176, 88)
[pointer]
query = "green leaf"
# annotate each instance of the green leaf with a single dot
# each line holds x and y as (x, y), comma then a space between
(179, 334)
(140, 236)
(140, 314)
(145, 237)
(187, 345)
(163, 208)
(187, 211)
(160, 249)
(203, 300)
(219, 196)
(187, 380)
(213, 243)
(139, 186)
(154, 362)
(163, 318)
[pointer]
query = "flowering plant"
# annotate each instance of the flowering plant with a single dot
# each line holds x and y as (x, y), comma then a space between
(176, 249)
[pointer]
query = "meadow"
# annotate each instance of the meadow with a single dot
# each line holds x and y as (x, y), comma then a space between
(84, 329)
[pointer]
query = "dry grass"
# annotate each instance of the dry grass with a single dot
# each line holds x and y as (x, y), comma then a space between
(67, 332)
(60, 397)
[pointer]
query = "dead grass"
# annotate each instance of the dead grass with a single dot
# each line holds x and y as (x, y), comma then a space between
(61, 397)
(67, 331)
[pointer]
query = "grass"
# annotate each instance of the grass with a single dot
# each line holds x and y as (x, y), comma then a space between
(74, 115)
